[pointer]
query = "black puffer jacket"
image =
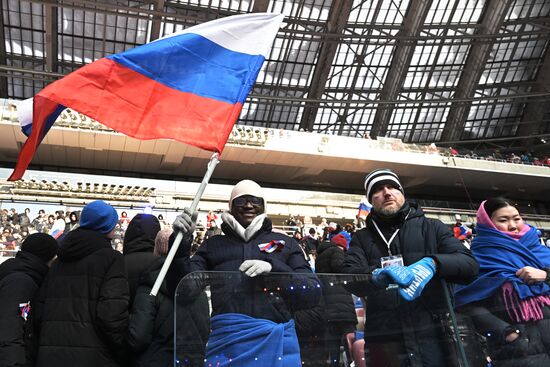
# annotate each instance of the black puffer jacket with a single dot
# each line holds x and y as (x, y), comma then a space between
(151, 329)
(241, 294)
(139, 244)
(339, 302)
(321, 328)
(530, 349)
(20, 278)
(82, 305)
(312, 244)
(412, 327)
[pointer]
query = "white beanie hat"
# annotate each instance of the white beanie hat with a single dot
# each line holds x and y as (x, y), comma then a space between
(378, 177)
(246, 187)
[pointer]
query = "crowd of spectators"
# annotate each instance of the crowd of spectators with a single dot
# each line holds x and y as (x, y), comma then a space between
(320, 243)
(519, 158)
(16, 227)
(523, 157)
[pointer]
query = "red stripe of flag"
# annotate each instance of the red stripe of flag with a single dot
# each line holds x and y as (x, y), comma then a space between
(131, 103)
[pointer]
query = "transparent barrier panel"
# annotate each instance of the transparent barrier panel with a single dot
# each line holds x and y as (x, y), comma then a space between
(283, 319)
(509, 317)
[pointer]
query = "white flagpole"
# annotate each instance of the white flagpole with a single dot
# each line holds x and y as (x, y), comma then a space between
(214, 160)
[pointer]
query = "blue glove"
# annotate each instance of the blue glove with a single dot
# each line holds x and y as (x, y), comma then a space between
(394, 274)
(423, 271)
(378, 279)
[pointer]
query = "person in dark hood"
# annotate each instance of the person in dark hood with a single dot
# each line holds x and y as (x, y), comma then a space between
(72, 223)
(139, 244)
(151, 328)
(340, 317)
(242, 309)
(403, 322)
(311, 242)
(82, 306)
(321, 329)
(20, 278)
(24, 220)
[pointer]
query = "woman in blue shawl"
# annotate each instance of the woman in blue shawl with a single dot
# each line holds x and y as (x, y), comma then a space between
(510, 300)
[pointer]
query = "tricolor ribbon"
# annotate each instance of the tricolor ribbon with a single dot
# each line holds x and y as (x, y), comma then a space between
(25, 308)
(271, 246)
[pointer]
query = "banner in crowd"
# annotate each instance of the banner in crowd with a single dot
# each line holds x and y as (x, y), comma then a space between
(189, 86)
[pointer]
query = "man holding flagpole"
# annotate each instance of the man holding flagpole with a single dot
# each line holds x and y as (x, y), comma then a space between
(244, 311)
(189, 86)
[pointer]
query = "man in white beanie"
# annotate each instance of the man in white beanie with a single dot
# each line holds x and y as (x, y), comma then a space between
(408, 255)
(255, 310)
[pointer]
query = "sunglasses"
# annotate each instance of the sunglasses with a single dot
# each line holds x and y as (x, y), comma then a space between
(242, 200)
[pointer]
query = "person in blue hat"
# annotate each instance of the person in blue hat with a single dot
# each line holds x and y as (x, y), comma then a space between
(82, 306)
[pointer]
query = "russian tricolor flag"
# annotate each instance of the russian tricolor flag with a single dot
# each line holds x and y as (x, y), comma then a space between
(364, 208)
(189, 86)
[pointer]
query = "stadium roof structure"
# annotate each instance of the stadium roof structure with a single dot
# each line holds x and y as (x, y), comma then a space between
(467, 73)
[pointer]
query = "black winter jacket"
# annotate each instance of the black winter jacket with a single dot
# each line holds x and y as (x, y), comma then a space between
(151, 329)
(412, 327)
(20, 278)
(139, 244)
(256, 297)
(530, 349)
(82, 305)
(312, 244)
(339, 302)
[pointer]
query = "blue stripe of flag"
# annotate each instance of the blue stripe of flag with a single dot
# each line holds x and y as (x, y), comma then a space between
(27, 129)
(194, 64)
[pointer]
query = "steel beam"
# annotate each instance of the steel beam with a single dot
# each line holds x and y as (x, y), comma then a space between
(158, 6)
(535, 110)
(493, 18)
(51, 49)
(336, 23)
(359, 59)
(260, 6)
(3, 79)
(402, 55)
